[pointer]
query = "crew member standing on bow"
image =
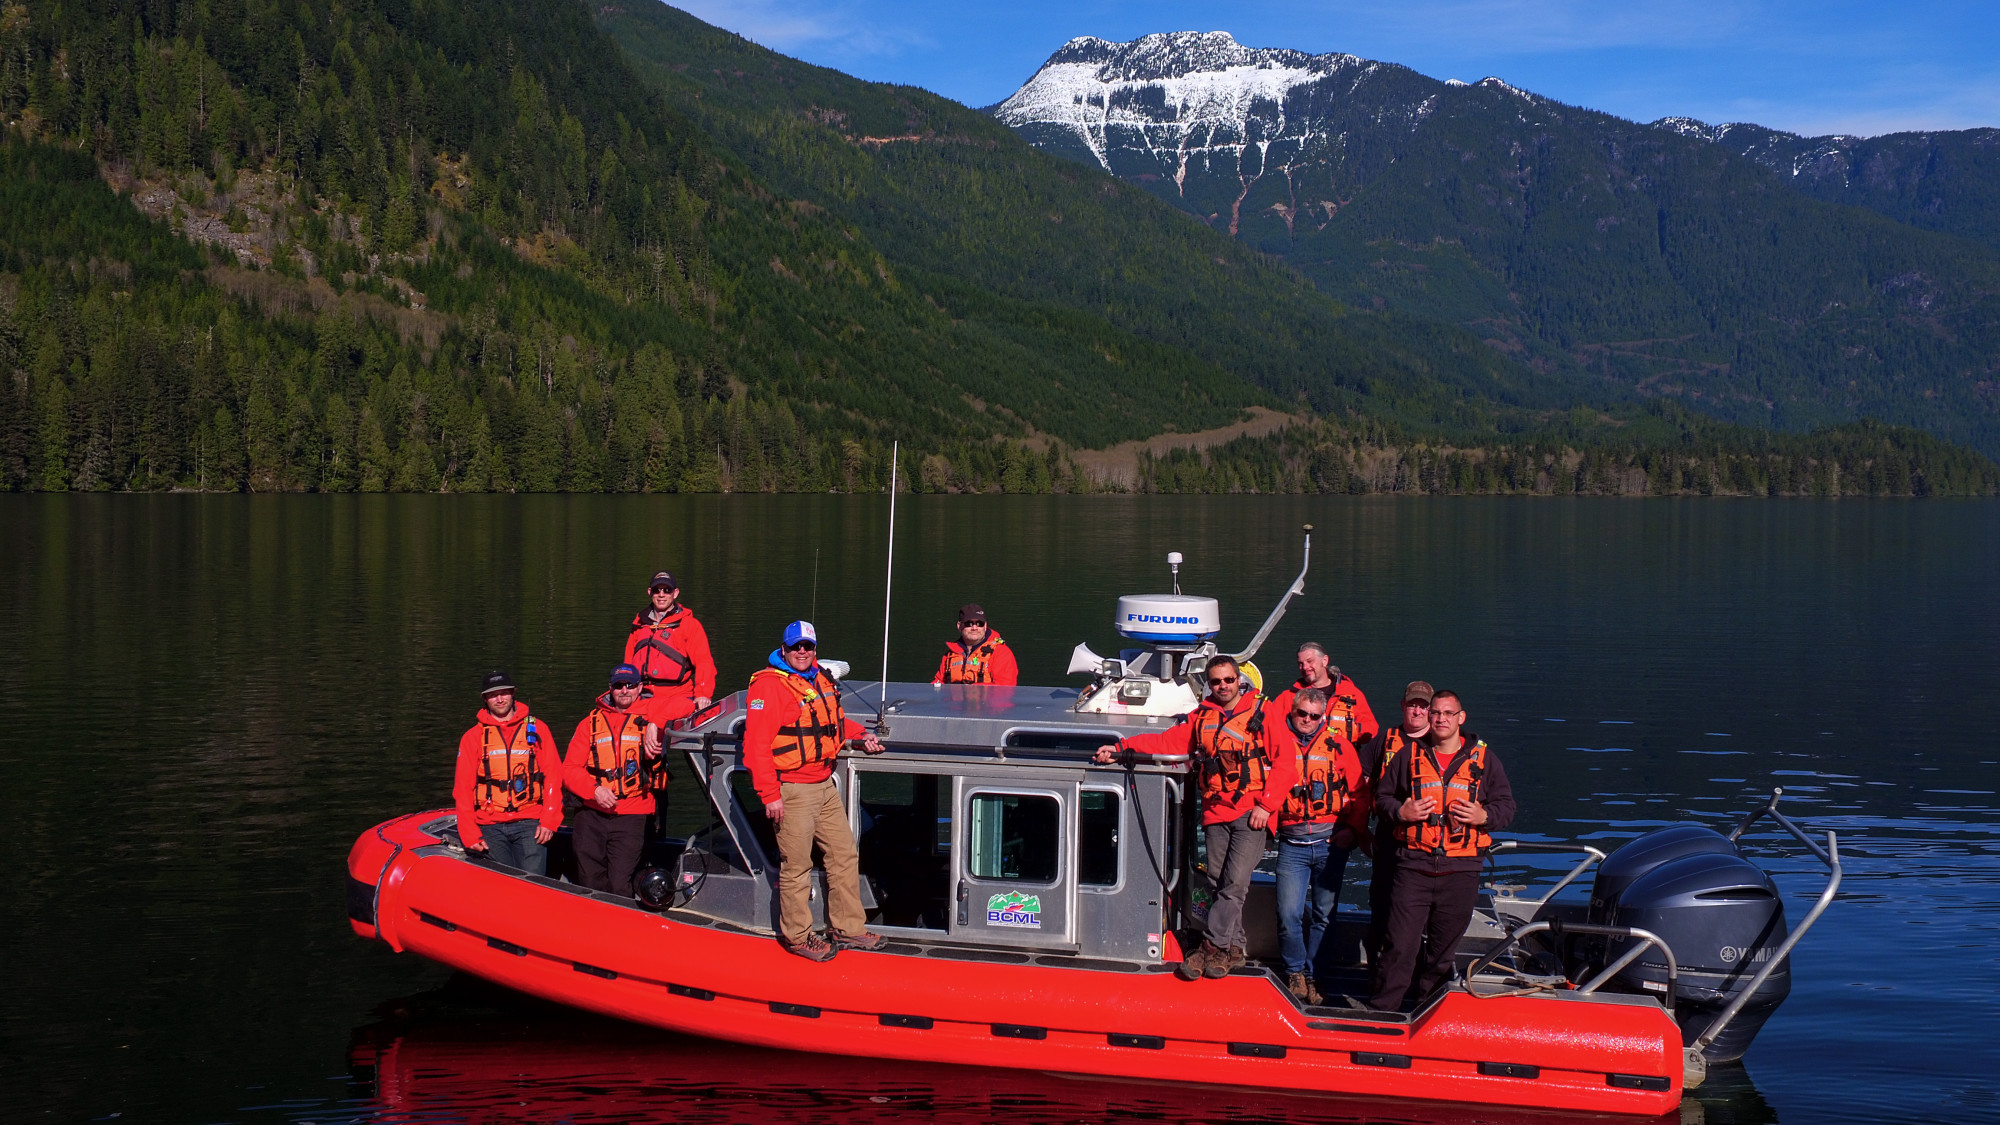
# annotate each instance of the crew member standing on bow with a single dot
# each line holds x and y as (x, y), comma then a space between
(978, 656)
(609, 765)
(1242, 788)
(1346, 707)
(1377, 756)
(670, 650)
(508, 782)
(1325, 817)
(794, 730)
(1445, 797)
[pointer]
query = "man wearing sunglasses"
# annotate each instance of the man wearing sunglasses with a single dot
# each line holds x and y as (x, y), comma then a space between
(613, 763)
(1346, 707)
(670, 650)
(1324, 817)
(794, 731)
(1445, 798)
(1242, 787)
(978, 656)
(1377, 755)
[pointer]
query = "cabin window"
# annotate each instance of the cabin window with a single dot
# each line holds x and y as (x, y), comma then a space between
(1014, 836)
(1097, 838)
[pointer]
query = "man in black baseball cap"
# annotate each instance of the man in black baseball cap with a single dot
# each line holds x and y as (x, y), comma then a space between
(507, 785)
(670, 650)
(978, 656)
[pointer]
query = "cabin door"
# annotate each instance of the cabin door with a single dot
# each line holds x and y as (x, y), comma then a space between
(1015, 864)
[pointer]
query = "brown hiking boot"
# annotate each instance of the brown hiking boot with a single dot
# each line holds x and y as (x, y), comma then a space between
(866, 942)
(814, 948)
(1191, 963)
(1302, 988)
(1217, 964)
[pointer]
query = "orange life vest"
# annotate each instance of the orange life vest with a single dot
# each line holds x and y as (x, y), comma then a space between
(658, 661)
(618, 757)
(1439, 834)
(517, 784)
(1341, 707)
(820, 730)
(1322, 790)
(1230, 749)
(974, 667)
(1394, 742)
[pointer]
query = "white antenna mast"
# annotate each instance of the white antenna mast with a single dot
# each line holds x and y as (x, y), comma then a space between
(889, 583)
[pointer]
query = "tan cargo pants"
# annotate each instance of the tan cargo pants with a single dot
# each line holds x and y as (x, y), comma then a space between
(814, 813)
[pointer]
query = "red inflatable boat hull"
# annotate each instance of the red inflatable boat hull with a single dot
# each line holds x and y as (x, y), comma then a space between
(1551, 1052)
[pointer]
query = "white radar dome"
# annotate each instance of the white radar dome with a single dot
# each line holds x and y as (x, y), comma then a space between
(1168, 618)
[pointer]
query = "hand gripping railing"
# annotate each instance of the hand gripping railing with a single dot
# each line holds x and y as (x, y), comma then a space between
(1829, 855)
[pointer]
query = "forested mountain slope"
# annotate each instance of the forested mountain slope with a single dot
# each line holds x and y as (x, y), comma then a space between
(1651, 259)
(475, 245)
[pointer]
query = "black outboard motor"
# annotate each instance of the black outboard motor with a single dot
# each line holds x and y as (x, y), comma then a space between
(1719, 913)
(1636, 858)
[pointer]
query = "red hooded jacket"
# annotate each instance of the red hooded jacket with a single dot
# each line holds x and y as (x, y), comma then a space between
(684, 634)
(465, 775)
(1344, 704)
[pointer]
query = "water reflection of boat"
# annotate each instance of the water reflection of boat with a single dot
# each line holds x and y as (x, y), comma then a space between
(469, 1053)
(1032, 900)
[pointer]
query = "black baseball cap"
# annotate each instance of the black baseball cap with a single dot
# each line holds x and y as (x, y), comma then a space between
(496, 681)
(971, 611)
(663, 581)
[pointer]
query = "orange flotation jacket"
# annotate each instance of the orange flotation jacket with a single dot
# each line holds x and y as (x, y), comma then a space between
(517, 784)
(1394, 742)
(1439, 834)
(820, 730)
(658, 661)
(974, 667)
(1229, 749)
(617, 756)
(1323, 789)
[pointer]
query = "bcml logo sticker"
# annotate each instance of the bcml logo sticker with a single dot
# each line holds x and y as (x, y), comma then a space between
(1015, 909)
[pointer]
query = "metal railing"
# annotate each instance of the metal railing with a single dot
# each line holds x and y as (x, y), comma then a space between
(1591, 856)
(1556, 928)
(1829, 855)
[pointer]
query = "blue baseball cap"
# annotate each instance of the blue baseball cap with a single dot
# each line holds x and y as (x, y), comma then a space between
(800, 631)
(624, 674)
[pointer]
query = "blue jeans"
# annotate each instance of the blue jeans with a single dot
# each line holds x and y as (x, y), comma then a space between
(513, 844)
(1301, 925)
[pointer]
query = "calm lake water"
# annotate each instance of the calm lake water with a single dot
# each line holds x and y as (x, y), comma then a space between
(203, 700)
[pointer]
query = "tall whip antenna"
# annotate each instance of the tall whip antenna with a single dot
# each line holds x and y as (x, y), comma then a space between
(889, 582)
(815, 608)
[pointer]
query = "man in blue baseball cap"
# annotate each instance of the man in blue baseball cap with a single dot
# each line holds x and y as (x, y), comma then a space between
(794, 731)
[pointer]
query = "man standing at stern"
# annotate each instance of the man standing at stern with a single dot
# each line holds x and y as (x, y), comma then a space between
(1325, 816)
(1378, 756)
(1346, 708)
(1445, 798)
(1242, 788)
(507, 783)
(978, 656)
(670, 650)
(794, 731)
(610, 765)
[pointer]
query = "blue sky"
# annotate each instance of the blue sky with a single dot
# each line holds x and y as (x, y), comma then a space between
(1831, 66)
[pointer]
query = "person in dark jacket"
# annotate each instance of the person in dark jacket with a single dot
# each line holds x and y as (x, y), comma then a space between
(1445, 798)
(1379, 754)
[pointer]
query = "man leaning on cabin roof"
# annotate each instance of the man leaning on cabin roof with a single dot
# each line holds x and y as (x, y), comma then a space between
(978, 656)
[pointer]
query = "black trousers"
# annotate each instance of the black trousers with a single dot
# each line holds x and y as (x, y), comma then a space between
(1427, 917)
(608, 847)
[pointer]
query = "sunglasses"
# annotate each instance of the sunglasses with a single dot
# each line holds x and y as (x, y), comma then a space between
(1218, 681)
(802, 646)
(1307, 714)
(663, 589)
(624, 687)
